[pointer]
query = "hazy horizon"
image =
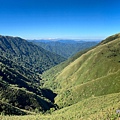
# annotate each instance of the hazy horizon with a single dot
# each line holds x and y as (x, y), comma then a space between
(60, 39)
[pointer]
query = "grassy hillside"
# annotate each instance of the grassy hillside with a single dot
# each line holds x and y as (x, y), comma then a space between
(27, 54)
(94, 73)
(94, 108)
(65, 48)
(51, 74)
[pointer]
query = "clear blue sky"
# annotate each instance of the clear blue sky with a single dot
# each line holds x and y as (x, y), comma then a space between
(84, 19)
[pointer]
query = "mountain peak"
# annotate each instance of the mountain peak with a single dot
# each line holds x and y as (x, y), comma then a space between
(111, 38)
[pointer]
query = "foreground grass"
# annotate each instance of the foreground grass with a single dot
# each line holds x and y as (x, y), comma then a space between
(94, 108)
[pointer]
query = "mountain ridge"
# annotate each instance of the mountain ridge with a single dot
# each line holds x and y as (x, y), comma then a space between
(20, 92)
(101, 62)
(20, 81)
(86, 86)
(28, 54)
(65, 48)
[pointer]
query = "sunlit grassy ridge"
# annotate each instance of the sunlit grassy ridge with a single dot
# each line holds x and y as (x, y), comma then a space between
(94, 108)
(50, 75)
(101, 86)
(94, 73)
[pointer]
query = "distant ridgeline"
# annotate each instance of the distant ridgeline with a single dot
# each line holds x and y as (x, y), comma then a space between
(27, 54)
(65, 48)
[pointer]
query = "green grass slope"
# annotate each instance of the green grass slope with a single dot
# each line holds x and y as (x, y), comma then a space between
(94, 73)
(94, 108)
(50, 75)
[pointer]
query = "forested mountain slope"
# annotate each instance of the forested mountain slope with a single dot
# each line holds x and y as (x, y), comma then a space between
(27, 54)
(20, 90)
(21, 63)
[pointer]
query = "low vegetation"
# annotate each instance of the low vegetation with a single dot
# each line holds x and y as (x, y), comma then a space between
(94, 108)
(95, 72)
(85, 87)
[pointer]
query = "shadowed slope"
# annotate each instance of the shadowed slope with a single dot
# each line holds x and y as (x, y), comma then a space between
(20, 91)
(27, 54)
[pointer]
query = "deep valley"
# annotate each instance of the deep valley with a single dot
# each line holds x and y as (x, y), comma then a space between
(41, 82)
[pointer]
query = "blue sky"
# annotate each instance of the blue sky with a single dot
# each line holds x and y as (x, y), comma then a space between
(79, 19)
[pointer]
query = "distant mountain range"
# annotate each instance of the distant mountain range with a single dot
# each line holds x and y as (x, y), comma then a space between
(65, 48)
